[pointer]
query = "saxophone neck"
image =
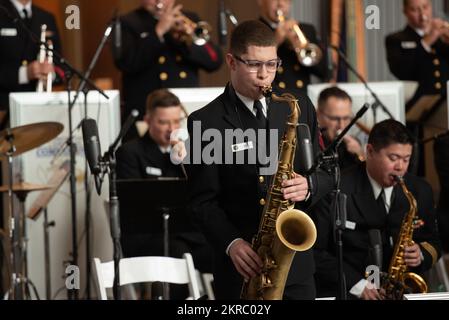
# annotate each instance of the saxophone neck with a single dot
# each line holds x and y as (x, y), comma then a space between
(285, 97)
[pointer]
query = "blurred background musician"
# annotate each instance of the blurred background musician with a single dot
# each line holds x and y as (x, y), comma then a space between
(334, 113)
(292, 76)
(155, 53)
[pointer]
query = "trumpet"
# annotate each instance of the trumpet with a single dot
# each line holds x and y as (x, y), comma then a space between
(43, 54)
(308, 54)
(201, 29)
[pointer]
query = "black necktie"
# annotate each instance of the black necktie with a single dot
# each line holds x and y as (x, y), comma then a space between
(381, 201)
(259, 114)
(26, 17)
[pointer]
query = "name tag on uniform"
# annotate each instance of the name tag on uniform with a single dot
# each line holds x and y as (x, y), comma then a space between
(408, 45)
(153, 171)
(350, 225)
(242, 146)
(8, 32)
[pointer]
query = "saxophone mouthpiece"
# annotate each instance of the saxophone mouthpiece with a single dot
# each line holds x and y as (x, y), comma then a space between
(397, 178)
(267, 91)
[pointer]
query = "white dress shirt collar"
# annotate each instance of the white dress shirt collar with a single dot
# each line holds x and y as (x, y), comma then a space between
(377, 189)
(249, 103)
(19, 6)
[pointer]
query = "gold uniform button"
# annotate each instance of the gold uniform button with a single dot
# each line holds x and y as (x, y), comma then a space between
(178, 58)
(161, 60)
(262, 202)
(299, 84)
(438, 85)
(24, 63)
(163, 76)
(261, 179)
(183, 75)
(280, 70)
(436, 62)
(437, 74)
(282, 85)
(296, 67)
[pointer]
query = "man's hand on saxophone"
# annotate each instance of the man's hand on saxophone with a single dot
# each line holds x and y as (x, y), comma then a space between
(245, 259)
(412, 255)
(295, 189)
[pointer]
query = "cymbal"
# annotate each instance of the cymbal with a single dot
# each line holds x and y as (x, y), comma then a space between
(25, 187)
(28, 137)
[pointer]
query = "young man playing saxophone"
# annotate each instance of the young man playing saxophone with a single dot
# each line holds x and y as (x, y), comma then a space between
(228, 198)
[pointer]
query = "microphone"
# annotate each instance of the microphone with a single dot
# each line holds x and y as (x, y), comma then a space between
(375, 240)
(91, 143)
(305, 149)
(222, 25)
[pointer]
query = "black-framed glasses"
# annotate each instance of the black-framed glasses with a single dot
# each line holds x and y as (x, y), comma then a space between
(255, 65)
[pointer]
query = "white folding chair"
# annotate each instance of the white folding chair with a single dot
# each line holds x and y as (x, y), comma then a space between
(147, 269)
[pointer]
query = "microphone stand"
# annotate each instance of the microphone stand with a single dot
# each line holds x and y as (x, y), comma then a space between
(377, 103)
(69, 72)
(85, 89)
(329, 159)
(108, 166)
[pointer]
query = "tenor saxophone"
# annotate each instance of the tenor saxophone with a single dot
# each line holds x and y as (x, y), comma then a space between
(282, 230)
(398, 280)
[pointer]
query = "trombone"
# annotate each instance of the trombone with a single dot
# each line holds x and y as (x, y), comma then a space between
(43, 54)
(308, 54)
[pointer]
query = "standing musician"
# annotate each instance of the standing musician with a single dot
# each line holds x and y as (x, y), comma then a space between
(292, 76)
(157, 51)
(420, 52)
(18, 53)
(376, 202)
(228, 198)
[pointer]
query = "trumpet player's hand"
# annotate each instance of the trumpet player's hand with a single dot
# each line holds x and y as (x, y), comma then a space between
(38, 70)
(245, 259)
(283, 30)
(295, 189)
(168, 18)
(178, 151)
(412, 255)
(436, 30)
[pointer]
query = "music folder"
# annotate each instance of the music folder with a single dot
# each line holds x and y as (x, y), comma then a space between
(144, 202)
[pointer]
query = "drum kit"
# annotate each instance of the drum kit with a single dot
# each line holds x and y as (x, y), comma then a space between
(14, 142)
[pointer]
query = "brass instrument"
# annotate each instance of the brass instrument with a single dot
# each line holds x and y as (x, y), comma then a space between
(282, 230)
(308, 54)
(398, 281)
(201, 29)
(42, 83)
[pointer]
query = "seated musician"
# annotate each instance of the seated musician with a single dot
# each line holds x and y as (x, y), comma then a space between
(375, 201)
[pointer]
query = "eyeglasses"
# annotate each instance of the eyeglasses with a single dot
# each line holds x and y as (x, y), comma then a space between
(338, 119)
(255, 65)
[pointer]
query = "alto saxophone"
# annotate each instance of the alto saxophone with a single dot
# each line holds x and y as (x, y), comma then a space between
(398, 281)
(282, 230)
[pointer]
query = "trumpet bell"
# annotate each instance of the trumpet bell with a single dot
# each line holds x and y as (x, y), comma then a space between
(310, 55)
(201, 34)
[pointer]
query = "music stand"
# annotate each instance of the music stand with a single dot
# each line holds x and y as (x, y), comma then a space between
(154, 205)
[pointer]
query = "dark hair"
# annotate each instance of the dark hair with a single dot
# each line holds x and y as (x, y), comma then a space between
(251, 33)
(161, 98)
(332, 92)
(389, 132)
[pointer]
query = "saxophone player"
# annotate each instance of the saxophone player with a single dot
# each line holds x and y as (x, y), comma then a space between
(228, 196)
(376, 201)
